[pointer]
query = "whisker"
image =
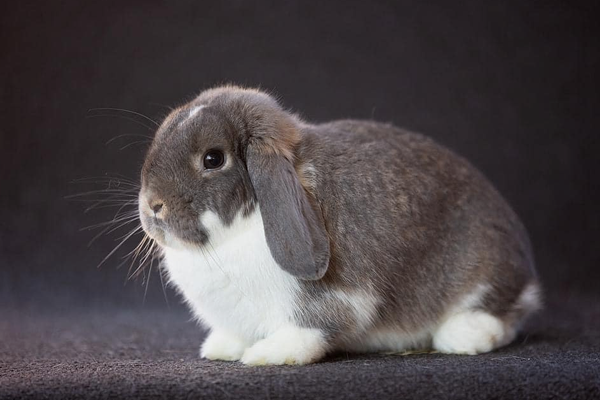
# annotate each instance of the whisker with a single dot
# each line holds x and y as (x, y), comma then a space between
(142, 263)
(130, 212)
(141, 247)
(127, 111)
(107, 225)
(110, 199)
(120, 193)
(126, 237)
(127, 192)
(136, 251)
(108, 230)
(128, 135)
(111, 230)
(148, 253)
(134, 143)
(113, 203)
(151, 129)
(162, 281)
(129, 215)
(144, 249)
(147, 282)
(118, 179)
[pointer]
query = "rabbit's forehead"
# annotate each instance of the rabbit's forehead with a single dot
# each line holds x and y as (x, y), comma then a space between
(194, 127)
(179, 118)
(189, 115)
(183, 114)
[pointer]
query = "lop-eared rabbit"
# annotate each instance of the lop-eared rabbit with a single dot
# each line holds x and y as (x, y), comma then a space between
(290, 240)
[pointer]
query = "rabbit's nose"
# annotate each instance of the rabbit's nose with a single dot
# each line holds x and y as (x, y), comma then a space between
(158, 208)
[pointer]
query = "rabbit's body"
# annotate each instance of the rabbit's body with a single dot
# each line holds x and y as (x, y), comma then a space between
(351, 235)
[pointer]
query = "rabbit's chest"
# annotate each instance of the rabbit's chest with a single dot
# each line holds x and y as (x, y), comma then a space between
(233, 282)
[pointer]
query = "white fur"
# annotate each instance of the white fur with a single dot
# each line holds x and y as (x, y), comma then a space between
(194, 111)
(191, 114)
(391, 339)
(363, 303)
(234, 284)
(529, 300)
(289, 345)
(466, 330)
(222, 345)
(471, 332)
(472, 299)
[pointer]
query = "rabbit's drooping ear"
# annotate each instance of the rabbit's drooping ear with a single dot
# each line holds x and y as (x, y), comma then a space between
(293, 224)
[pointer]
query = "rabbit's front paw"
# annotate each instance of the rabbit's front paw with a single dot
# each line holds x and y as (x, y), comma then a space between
(290, 345)
(221, 345)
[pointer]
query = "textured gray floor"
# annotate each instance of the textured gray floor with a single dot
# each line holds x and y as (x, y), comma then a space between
(148, 353)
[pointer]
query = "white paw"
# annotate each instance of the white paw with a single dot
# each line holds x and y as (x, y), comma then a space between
(471, 332)
(220, 345)
(289, 345)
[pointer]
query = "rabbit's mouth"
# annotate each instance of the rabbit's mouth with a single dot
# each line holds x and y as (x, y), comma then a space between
(170, 224)
(173, 232)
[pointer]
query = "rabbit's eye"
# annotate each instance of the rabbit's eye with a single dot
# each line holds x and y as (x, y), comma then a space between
(213, 159)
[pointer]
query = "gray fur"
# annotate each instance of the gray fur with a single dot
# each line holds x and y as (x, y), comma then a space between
(346, 205)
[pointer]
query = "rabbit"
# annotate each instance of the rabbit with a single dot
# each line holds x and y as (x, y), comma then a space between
(290, 240)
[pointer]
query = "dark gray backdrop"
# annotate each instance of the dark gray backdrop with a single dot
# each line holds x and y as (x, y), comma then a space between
(511, 85)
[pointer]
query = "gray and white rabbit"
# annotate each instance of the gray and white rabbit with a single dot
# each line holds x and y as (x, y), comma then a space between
(291, 240)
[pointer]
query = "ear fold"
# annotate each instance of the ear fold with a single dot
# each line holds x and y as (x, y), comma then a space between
(294, 227)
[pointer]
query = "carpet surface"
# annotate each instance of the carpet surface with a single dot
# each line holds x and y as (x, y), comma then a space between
(154, 354)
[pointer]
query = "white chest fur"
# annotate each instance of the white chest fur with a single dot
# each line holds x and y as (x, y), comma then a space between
(233, 283)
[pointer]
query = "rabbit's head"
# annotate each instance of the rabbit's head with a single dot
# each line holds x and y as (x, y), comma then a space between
(231, 151)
